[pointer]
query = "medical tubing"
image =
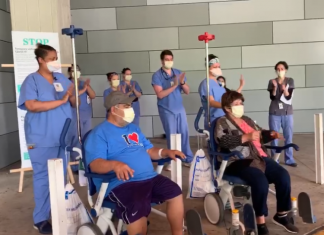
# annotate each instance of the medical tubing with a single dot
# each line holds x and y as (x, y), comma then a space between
(76, 89)
(207, 77)
(64, 146)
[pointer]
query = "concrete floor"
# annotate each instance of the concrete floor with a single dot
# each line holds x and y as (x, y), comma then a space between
(16, 208)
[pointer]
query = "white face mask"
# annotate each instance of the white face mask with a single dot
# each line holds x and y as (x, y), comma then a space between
(168, 64)
(115, 83)
(222, 84)
(216, 72)
(238, 111)
(128, 77)
(78, 74)
(129, 115)
(53, 66)
(281, 73)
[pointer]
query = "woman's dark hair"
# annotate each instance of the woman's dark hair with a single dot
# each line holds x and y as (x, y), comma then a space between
(70, 68)
(164, 53)
(283, 63)
(41, 50)
(211, 56)
(125, 69)
(229, 97)
(109, 75)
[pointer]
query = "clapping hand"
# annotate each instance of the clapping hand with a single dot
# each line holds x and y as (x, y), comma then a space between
(68, 93)
(182, 78)
(242, 81)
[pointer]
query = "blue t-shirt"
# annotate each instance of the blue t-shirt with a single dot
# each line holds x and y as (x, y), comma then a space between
(217, 92)
(135, 105)
(124, 144)
(43, 129)
(172, 102)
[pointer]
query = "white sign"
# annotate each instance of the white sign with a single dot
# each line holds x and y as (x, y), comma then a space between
(24, 45)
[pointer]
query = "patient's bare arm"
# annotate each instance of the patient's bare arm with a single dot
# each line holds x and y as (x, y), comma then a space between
(101, 166)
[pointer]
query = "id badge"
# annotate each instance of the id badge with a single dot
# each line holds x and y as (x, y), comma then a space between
(172, 83)
(88, 99)
(58, 87)
(280, 106)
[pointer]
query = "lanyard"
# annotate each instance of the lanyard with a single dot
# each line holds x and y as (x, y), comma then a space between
(166, 76)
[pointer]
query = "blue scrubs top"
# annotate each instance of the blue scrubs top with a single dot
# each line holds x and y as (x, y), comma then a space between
(124, 144)
(217, 92)
(135, 104)
(85, 107)
(172, 102)
(43, 129)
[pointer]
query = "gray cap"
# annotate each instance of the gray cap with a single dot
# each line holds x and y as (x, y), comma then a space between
(117, 97)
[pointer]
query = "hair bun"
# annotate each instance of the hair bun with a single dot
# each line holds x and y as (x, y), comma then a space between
(38, 45)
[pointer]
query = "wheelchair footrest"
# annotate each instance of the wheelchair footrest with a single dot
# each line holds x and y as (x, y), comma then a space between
(305, 208)
(241, 191)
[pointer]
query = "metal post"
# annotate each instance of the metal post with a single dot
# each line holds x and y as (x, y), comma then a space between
(207, 76)
(206, 38)
(72, 32)
(318, 124)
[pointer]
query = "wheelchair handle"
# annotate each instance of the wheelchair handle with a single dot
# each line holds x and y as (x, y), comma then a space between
(279, 149)
(199, 114)
(64, 132)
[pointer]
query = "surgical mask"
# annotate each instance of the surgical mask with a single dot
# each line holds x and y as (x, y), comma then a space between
(281, 73)
(216, 72)
(222, 84)
(168, 64)
(129, 115)
(78, 74)
(53, 66)
(128, 77)
(115, 83)
(238, 111)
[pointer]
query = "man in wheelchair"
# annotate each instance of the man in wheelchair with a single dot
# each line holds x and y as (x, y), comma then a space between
(235, 132)
(118, 146)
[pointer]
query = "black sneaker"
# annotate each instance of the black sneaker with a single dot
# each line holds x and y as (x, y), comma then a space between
(292, 164)
(283, 221)
(43, 227)
(263, 229)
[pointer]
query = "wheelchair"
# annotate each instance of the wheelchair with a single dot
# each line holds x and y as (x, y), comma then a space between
(104, 209)
(214, 203)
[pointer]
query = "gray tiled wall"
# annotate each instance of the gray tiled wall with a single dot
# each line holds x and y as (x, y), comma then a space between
(251, 36)
(9, 140)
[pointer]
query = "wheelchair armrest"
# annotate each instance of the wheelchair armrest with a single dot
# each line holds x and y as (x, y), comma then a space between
(279, 149)
(226, 156)
(164, 160)
(196, 123)
(106, 178)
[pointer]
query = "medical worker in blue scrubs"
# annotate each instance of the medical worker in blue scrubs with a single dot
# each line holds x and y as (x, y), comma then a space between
(47, 97)
(114, 82)
(168, 83)
(86, 94)
(215, 91)
(132, 88)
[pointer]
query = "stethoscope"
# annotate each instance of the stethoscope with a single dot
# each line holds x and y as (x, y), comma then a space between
(166, 76)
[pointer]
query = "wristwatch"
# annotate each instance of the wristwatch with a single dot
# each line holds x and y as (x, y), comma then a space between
(183, 83)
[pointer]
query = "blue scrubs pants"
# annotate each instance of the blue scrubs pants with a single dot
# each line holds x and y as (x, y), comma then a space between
(286, 123)
(39, 158)
(177, 124)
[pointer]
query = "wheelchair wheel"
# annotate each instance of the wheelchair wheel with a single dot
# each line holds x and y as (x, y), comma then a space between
(89, 229)
(214, 208)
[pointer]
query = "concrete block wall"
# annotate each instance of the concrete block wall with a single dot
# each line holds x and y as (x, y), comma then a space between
(9, 139)
(251, 37)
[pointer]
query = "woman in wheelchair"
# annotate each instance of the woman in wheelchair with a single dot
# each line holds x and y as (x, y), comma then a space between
(235, 132)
